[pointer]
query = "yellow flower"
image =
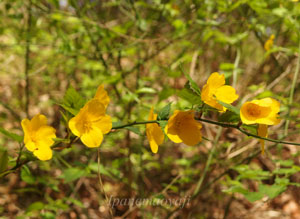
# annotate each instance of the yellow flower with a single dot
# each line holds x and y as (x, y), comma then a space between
(154, 133)
(215, 90)
(101, 95)
(182, 127)
(264, 111)
(262, 131)
(38, 136)
(91, 123)
(269, 43)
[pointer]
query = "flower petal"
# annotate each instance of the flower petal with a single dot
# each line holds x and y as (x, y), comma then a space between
(207, 95)
(190, 133)
(45, 135)
(26, 129)
(94, 110)
(172, 135)
(37, 121)
(101, 95)
(226, 94)
(43, 153)
(93, 138)
(154, 133)
(75, 126)
(31, 146)
(216, 80)
(104, 124)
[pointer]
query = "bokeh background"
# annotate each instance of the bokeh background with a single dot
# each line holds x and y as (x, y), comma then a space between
(139, 49)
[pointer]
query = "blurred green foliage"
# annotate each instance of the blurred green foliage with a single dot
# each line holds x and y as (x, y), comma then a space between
(146, 53)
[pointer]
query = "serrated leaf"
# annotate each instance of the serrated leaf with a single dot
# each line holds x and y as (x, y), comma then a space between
(164, 113)
(3, 160)
(190, 96)
(11, 135)
(230, 107)
(163, 124)
(73, 111)
(192, 84)
(72, 100)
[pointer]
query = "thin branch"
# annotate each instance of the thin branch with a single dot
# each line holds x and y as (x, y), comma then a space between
(293, 89)
(226, 125)
(27, 57)
(101, 184)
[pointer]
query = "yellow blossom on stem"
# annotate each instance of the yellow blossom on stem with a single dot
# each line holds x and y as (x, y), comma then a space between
(91, 123)
(154, 133)
(182, 127)
(38, 136)
(269, 43)
(263, 112)
(101, 95)
(215, 90)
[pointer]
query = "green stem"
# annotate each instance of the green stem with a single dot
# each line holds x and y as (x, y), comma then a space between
(226, 125)
(236, 65)
(293, 90)
(209, 159)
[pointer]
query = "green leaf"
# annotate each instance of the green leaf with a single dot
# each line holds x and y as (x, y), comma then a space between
(228, 116)
(285, 171)
(272, 191)
(253, 196)
(72, 100)
(11, 135)
(135, 130)
(146, 90)
(163, 124)
(36, 206)
(164, 112)
(189, 95)
(230, 107)
(71, 110)
(72, 174)
(26, 175)
(286, 163)
(193, 84)
(3, 160)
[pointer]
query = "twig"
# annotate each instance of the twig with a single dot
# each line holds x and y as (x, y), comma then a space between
(27, 58)
(293, 89)
(236, 65)
(212, 151)
(226, 125)
(101, 184)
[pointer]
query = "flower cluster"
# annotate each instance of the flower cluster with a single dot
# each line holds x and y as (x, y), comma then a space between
(182, 126)
(91, 123)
